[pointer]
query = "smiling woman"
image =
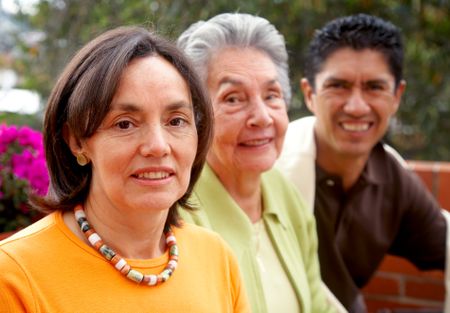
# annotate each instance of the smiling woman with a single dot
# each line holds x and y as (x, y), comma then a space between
(155, 127)
(126, 132)
(243, 62)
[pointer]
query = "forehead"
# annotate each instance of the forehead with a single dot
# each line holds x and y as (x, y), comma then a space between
(240, 62)
(151, 72)
(147, 67)
(350, 63)
(150, 81)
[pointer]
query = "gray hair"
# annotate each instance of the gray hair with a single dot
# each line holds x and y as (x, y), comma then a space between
(202, 39)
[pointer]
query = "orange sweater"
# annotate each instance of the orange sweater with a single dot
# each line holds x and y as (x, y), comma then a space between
(46, 268)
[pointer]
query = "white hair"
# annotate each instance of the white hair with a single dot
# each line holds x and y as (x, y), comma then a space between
(204, 38)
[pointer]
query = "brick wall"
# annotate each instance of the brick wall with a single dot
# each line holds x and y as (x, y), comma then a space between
(398, 283)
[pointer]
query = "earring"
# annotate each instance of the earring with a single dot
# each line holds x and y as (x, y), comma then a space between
(82, 160)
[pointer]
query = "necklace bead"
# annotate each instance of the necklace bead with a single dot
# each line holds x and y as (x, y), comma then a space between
(119, 262)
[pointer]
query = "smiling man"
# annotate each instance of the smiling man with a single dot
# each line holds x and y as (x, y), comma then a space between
(365, 202)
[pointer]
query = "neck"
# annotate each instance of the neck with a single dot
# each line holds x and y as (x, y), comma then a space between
(348, 168)
(134, 236)
(245, 189)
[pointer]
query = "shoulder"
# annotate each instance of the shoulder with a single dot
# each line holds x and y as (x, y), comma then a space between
(282, 193)
(39, 243)
(24, 251)
(199, 238)
(205, 244)
(402, 184)
(300, 133)
(26, 237)
(278, 184)
(192, 231)
(386, 161)
(298, 155)
(303, 123)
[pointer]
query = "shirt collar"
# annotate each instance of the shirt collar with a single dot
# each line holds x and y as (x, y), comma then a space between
(270, 204)
(373, 172)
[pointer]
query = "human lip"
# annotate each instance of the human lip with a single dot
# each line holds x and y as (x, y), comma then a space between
(255, 142)
(153, 174)
(356, 126)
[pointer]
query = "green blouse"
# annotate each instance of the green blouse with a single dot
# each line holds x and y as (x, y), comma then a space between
(289, 224)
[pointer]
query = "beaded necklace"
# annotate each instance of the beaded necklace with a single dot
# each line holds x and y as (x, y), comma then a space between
(119, 262)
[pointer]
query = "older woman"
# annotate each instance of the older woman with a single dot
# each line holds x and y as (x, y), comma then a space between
(242, 60)
(126, 131)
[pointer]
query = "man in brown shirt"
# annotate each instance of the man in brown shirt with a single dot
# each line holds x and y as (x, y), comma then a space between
(365, 202)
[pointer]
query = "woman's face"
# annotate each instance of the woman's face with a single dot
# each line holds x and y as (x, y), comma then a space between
(142, 153)
(249, 111)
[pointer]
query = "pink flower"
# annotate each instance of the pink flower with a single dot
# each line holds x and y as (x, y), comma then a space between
(7, 135)
(22, 169)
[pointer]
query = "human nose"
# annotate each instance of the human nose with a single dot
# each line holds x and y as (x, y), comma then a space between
(356, 104)
(259, 114)
(154, 142)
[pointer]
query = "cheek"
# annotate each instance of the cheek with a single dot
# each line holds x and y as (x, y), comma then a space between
(111, 156)
(185, 149)
(107, 165)
(281, 121)
(384, 109)
(226, 128)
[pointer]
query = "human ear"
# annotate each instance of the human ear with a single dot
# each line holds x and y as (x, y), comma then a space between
(75, 146)
(398, 95)
(308, 93)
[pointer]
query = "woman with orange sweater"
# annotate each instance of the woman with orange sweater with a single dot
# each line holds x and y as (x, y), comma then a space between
(126, 132)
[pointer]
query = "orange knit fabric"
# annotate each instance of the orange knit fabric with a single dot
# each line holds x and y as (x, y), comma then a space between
(46, 268)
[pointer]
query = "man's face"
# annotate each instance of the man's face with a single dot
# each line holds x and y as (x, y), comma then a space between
(353, 100)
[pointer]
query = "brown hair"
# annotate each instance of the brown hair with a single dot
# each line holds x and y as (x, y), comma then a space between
(82, 97)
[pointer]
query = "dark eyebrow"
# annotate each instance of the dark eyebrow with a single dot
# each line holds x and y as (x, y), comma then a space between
(335, 79)
(376, 81)
(341, 80)
(332, 79)
(180, 105)
(128, 107)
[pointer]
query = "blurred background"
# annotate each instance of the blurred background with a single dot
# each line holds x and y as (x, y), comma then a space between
(38, 37)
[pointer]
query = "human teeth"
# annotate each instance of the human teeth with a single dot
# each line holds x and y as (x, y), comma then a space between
(256, 142)
(355, 127)
(153, 175)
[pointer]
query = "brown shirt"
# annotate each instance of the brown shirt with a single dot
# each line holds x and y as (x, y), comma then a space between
(387, 211)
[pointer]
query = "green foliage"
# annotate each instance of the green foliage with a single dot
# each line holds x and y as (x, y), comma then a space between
(423, 125)
(32, 120)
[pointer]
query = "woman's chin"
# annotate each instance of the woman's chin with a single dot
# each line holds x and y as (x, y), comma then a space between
(258, 166)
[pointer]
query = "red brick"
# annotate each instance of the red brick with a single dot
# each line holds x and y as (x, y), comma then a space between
(444, 185)
(6, 235)
(395, 276)
(383, 285)
(425, 171)
(393, 264)
(425, 290)
(397, 265)
(374, 304)
(436, 176)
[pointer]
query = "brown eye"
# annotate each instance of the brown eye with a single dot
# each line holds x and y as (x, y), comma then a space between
(336, 85)
(231, 99)
(273, 95)
(178, 121)
(124, 124)
(375, 87)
